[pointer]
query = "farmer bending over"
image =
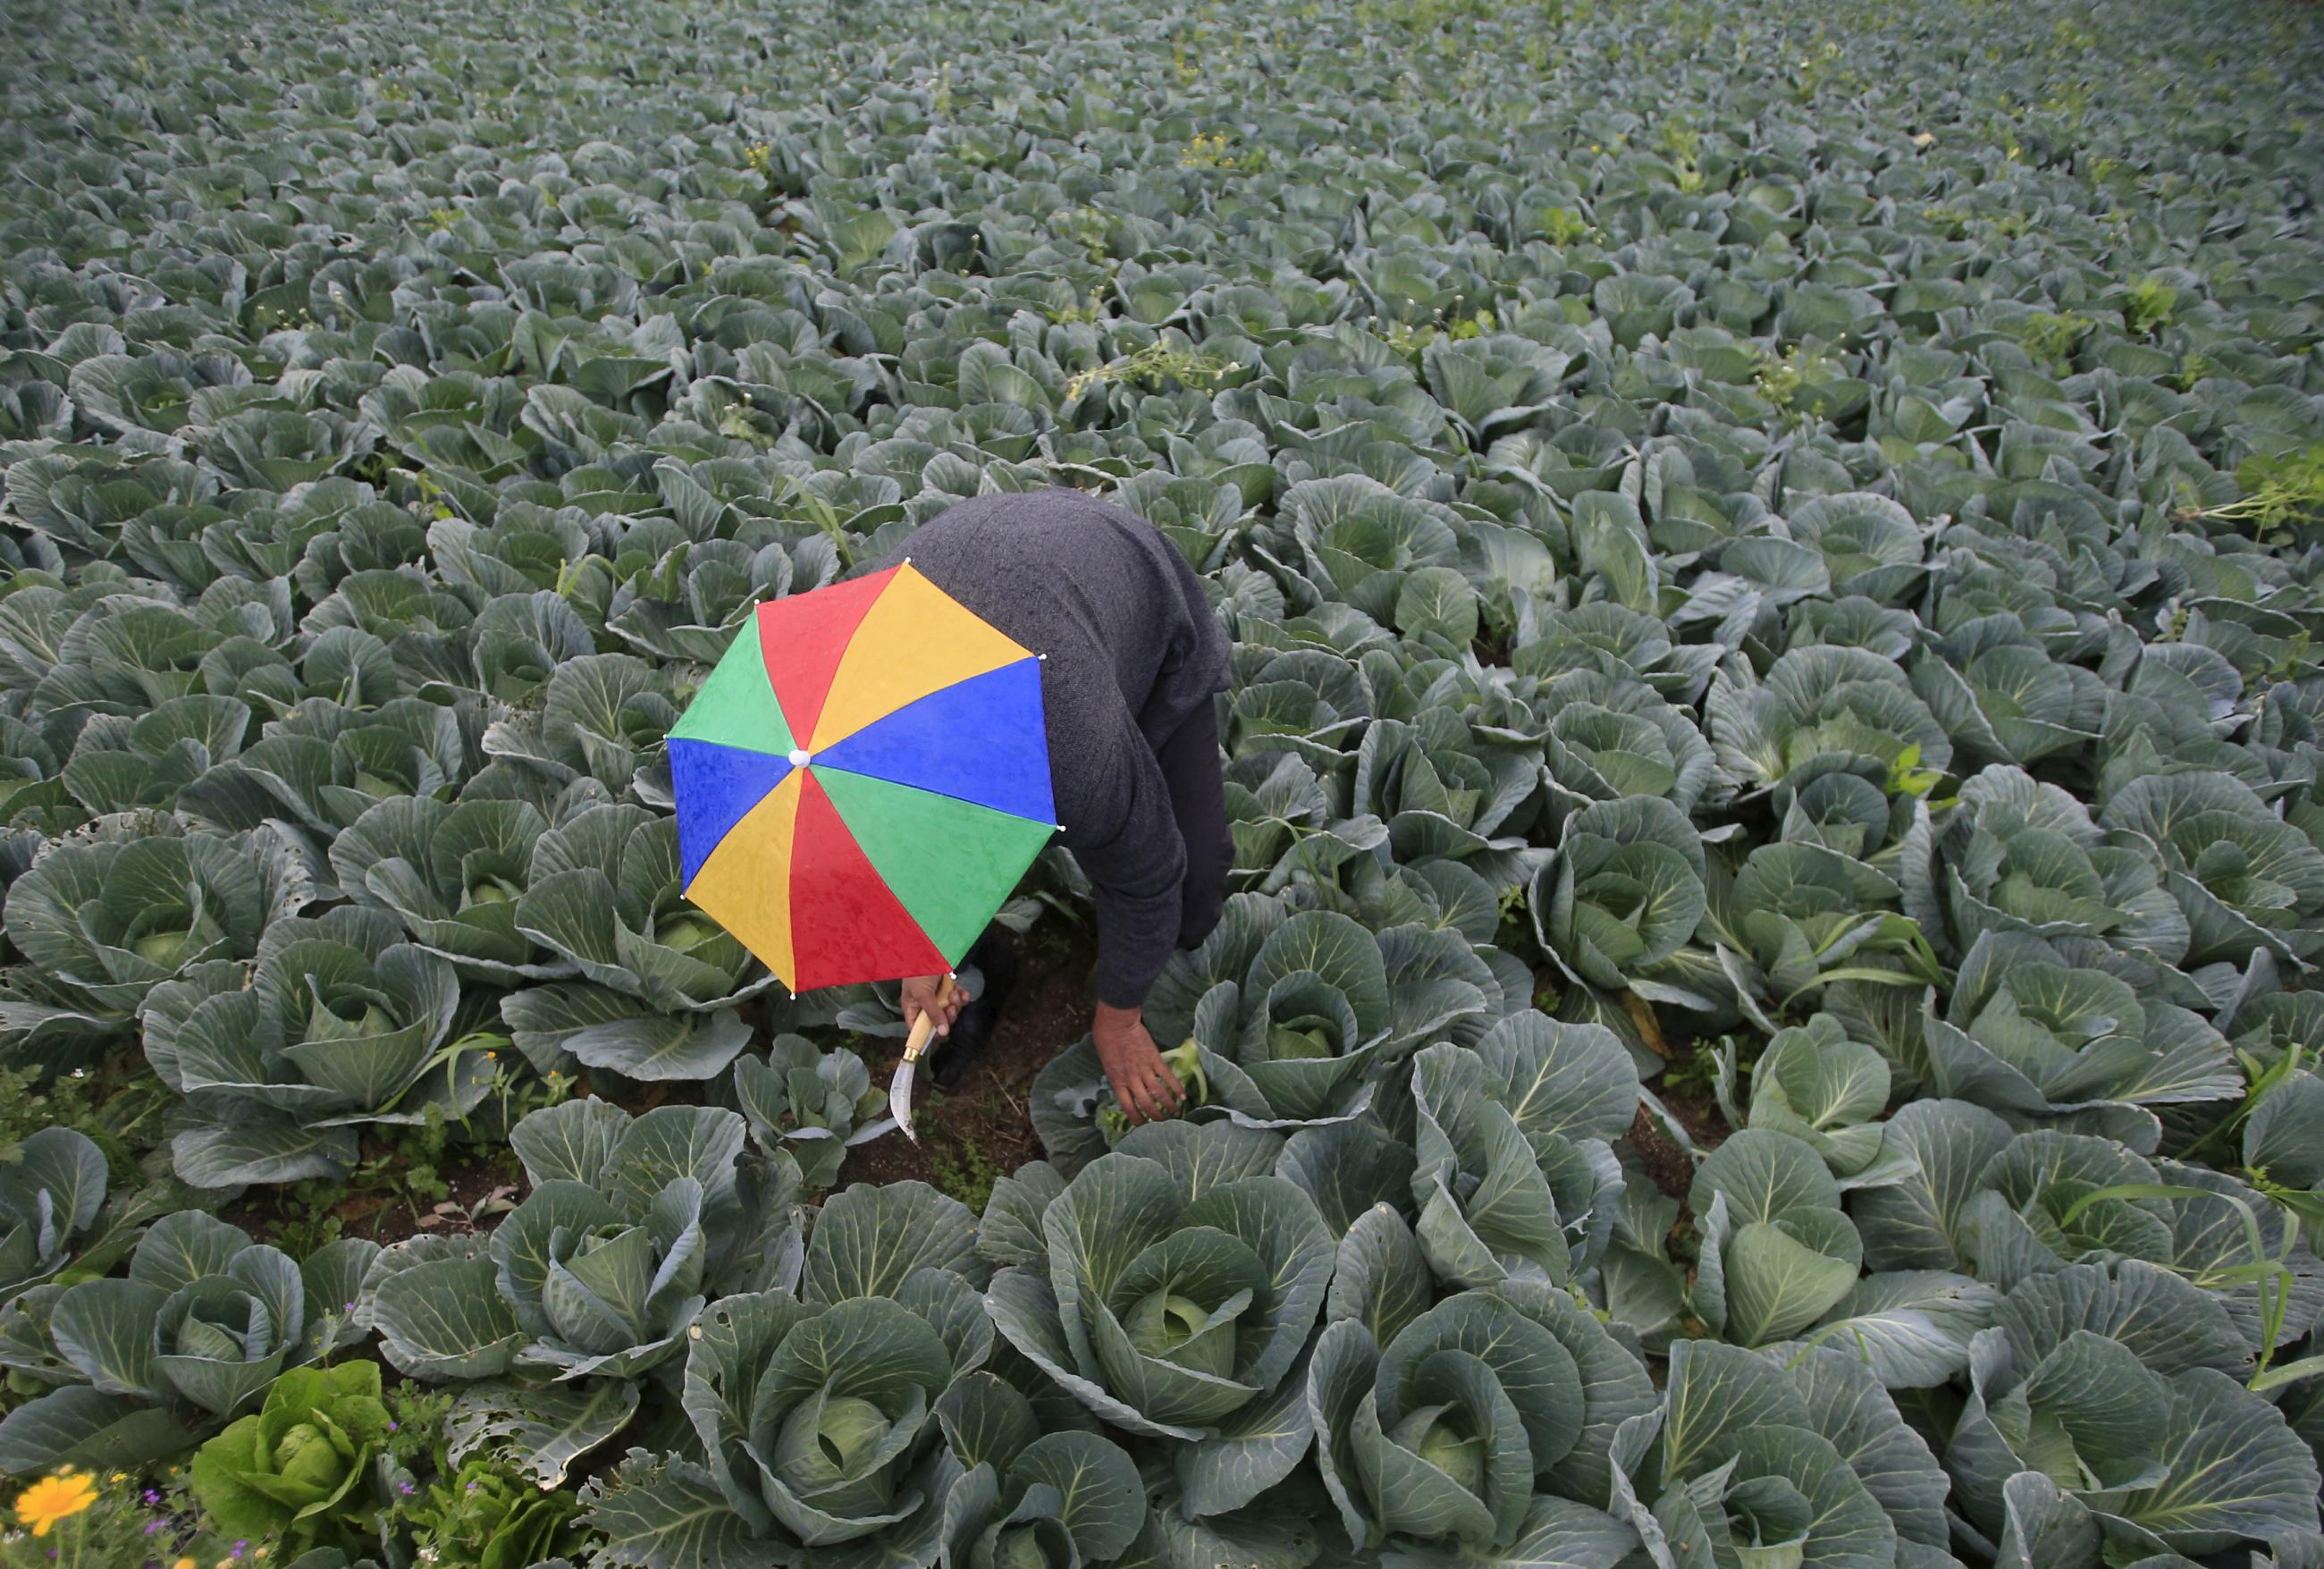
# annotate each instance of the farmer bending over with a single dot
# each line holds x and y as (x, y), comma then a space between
(1134, 659)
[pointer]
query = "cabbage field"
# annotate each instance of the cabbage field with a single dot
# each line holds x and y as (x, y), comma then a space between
(1766, 1016)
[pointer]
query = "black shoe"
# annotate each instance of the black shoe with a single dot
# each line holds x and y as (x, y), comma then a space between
(995, 958)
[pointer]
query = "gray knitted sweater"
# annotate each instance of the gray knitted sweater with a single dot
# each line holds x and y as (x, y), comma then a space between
(1133, 651)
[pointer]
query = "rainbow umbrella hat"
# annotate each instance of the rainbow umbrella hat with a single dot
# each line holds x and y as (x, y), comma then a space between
(861, 781)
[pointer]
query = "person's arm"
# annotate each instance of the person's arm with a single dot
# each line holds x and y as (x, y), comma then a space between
(1137, 868)
(1131, 849)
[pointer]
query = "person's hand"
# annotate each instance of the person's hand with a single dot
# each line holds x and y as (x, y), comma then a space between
(1143, 1083)
(920, 997)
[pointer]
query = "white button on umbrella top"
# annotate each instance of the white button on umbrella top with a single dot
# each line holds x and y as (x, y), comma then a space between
(801, 757)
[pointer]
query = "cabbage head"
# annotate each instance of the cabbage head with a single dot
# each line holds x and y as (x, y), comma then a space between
(202, 1324)
(632, 1224)
(1778, 1251)
(1818, 709)
(603, 896)
(2024, 856)
(328, 762)
(107, 921)
(51, 1195)
(601, 718)
(1624, 892)
(603, 892)
(2037, 1029)
(304, 1467)
(1361, 543)
(814, 1106)
(2246, 878)
(1816, 1084)
(1443, 790)
(1781, 1259)
(819, 1429)
(1178, 1281)
(2113, 1395)
(1481, 1421)
(598, 1290)
(343, 1022)
(688, 604)
(1306, 701)
(1616, 643)
(1794, 1455)
(1797, 918)
(1974, 1195)
(1032, 1499)
(1292, 1016)
(1517, 1176)
(452, 874)
(1608, 737)
(821, 1414)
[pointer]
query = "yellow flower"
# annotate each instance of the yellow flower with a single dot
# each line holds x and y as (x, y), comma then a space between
(185, 1563)
(52, 1499)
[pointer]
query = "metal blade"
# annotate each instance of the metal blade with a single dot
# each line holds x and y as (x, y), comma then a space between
(900, 1097)
(899, 1088)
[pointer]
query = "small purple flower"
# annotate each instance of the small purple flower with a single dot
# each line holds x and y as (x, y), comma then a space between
(152, 1498)
(394, 1427)
(406, 1489)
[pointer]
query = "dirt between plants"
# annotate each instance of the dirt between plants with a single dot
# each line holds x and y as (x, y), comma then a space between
(483, 1184)
(1695, 1111)
(983, 1127)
